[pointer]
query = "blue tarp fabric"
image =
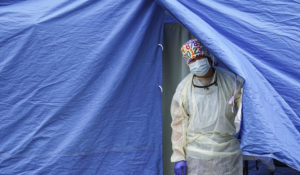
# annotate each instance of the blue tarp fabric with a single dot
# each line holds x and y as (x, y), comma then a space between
(79, 87)
(79, 80)
(260, 41)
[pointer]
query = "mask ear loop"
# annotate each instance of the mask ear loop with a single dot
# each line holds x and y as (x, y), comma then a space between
(231, 100)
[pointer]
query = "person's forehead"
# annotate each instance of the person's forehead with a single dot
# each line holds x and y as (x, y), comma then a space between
(200, 57)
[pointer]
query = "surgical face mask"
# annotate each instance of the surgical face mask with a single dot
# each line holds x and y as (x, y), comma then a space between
(200, 67)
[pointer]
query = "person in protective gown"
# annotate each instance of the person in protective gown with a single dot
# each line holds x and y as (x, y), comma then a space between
(203, 111)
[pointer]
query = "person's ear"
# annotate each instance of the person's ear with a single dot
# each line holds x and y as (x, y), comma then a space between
(210, 61)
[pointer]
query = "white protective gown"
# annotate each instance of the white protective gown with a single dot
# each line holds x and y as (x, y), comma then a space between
(203, 125)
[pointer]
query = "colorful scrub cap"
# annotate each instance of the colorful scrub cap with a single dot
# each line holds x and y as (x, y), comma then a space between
(193, 48)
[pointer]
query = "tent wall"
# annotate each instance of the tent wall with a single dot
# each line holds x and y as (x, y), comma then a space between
(79, 87)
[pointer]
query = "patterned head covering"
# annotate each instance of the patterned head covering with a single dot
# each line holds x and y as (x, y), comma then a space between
(193, 48)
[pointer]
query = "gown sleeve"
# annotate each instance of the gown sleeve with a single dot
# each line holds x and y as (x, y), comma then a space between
(238, 103)
(179, 127)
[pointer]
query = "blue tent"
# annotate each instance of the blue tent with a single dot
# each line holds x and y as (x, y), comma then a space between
(79, 80)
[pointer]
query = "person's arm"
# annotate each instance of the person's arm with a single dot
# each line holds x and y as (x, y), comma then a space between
(179, 124)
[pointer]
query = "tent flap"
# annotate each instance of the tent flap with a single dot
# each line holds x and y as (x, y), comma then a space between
(260, 42)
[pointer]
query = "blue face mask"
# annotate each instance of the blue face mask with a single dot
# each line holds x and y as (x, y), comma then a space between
(200, 67)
